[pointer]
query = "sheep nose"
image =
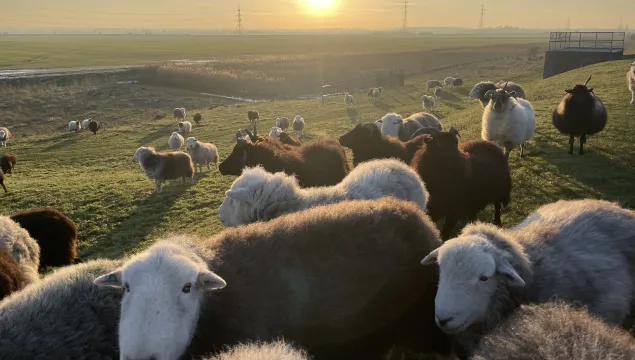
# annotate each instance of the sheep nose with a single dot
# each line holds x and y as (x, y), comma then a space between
(443, 322)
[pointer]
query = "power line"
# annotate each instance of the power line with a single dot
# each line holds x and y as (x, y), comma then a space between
(482, 21)
(239, 22)
(405, 15)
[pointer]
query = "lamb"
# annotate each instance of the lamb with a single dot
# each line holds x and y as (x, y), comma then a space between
(289, 140)
(428, 102)
(7, 162)
(261, 196)
(275, 132)
(278, 350)
(55, 233)
(458, 82)
(552, 331)
(179, 114)
(86, 123)
(5, 135)
(176, 141)
(630, 80)
(365, 252)
(438, 93)
(481, 91)
(202, 154)
(579, 113)
(320, 163)
(161, 166)
(449, 81)
(93, 126)
(462, 178)
(197, 118)
(185, 127)
(487, 272)
(433, 84)
(508, 120)
(367, 143)
(298, 126)
(22, 247)
(282, 123)
(11, 279)
(64, 316)
(394, 125)
(348, 99)
(75, 126)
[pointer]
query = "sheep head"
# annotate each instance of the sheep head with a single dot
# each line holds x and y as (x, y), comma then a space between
(235, 162)
(481, 90)
(192, 143)
(362, 135)
(438, 141)
(499, 99)
(391, 124)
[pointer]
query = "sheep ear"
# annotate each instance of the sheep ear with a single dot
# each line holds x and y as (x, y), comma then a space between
(427, 138)
(431, 258)
(380, 121)
(207, 280)
(112, 279)
(454, 131)
(400, 121)
(504, 268)
(568, 91)
(239, 194)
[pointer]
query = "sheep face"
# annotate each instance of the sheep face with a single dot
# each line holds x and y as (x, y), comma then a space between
(163, 291)
(499, 100)
(192, 143)
(470, 271)
(142, 152)
(391, 124)
(579, 95)
(360, 136)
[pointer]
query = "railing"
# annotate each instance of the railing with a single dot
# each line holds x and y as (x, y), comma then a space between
(612, 41)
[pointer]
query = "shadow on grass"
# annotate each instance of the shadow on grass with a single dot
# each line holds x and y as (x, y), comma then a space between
(164, 131)
(64, 140)
(352, 114)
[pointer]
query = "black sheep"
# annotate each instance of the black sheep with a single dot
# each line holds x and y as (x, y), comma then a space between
(93, 126)
(197, 118)
(7, 162)
(2, 182)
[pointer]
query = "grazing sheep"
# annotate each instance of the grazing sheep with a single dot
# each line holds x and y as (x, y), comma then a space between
(11, 278)
(176, 141)
(481, 91)
(64, 316)
(185, 127)
(197, 118)
(508, 121)
(261, 196)
(164, 165)
(367, 143)
(579, 113)
(462, 178)
(298, 126)
(253, 117)
(179, 114)
(22, 248)
(428, 102)
(365, 253)
(282, 123)
(438, 93)
(630, 79)
(394, 125)
(348, 99)
(289, 140)
(202, 154)
(449, 81)
(102, 125)
(5, 135)
(86, 123)
(432, 84)
(2, 182)
(554, 331)
(278, 350)
(275, 132)
(458, 83)
(487, 272)
(54, 232)
(7, 162)
(75, 126)
(321, 163)
(93, 126)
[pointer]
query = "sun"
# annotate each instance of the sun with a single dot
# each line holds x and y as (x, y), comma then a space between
(320, 6)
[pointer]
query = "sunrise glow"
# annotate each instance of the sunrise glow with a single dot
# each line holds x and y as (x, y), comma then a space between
(320, 7)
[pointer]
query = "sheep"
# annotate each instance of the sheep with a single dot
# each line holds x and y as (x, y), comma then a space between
(438, 93)
(508, 120)
(197, 118)
(579, 113)
(86, 123)
(512, 86)
(176, 141)
(64, 316)
(552, 331)
(161, 166)
(282, 123)
(394, 125)
(630, 80)
(298, 126)
(433, 84)
(253, 117)
(5, 135)
(202, 154)
(102, 125)
(275, 132)
(22, 248)
(458, 82)
(481, 91)
(278, 350)
(321, 163)
(2, 183)
(462, 178)
(428, 102)
(7, 162)
(75, 126)
(179, 114)
(487, 272)
(93, 126)
(185, 127)
(348, 99)
(367, 143)
(378, 124)
(261, 196)
(449, 81)
(55, 233)
(11, 279)
(289, 140)
(365, 253)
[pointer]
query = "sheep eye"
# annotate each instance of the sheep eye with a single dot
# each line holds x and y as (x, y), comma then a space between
(187, 288)
(126, 286)
(483, 278)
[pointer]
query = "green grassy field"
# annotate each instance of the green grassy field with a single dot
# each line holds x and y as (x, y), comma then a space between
(75, 50)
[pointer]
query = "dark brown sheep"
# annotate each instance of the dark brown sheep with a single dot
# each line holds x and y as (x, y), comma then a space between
(11, 279)
(161, 166)
(2, 182)
(289, 140)
(93, 126)
(7, 162)
(197, 118)
(54, 232)
(462, 179)
(321, 163)
(367, 143)
(253, 116)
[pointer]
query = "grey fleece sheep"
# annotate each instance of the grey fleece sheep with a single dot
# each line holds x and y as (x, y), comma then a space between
(431, 84)
(278, 350)
(394, 125)
(579, 251)
(202, 153)
(22, 247)
(165, 165)
(555, 331)
(179, 114)
(64, 316)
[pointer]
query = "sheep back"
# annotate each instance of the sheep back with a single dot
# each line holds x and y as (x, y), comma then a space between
(203, 153)
(11, 279)
(367, 143)
(278, 350)
(169, 166)
(7, 162)
(21, 246)
(334, 275)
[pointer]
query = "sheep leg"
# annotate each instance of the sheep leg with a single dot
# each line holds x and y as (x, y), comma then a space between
(497, 214)
(571, 142)
(633, 101)
(508, 149)
(582, 142)
(158, 183)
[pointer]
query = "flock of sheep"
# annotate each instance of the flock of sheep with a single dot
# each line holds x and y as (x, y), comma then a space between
(342, 263)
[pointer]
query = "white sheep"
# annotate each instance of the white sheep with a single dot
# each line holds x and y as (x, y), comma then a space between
(438, 92)
(449, 81)
(75, 126)
(202, 153)
(86, 123)
(348, 98)
(260, 196)
(275, 132)
(428, 102)
(508, 121)
(578, 251)
(298, 126)
(176, 141)
(630, 79)
(282, 123)
(278, 350)
(5, 135)
(185, 127)
(179, 114)
(25, 250)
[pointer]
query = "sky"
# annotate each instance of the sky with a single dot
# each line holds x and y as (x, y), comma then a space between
(297, 14)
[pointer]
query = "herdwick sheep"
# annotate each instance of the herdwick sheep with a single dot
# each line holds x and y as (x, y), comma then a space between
(298, 126)
(508, 121)
(428, 102)
(261, 196)
(7, 162)
(579, 113)
(64, 316)
(438, 93)
(179, 114)
(5, 135)
(164, 166)
(376, 94)
(365, 252)
(55, 234)
(449, 81)
(176, 141)
(75, 126)
(275, 132)
(487, 272)
(320, 163)
(11, 278)
(253, 117)
(2, 182)
(86, 122)
(367, 143)
(553, 331)
(22, 247)
(197, 118)
(282, 123)
(481, 91)
(289, 140)
(433, 84)
(278, 350)
(462, 178)
(185, 127)
(630, 79)
(348, 99)
(202, 154)
(458, 83)
(93, 126)
(394, 125)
